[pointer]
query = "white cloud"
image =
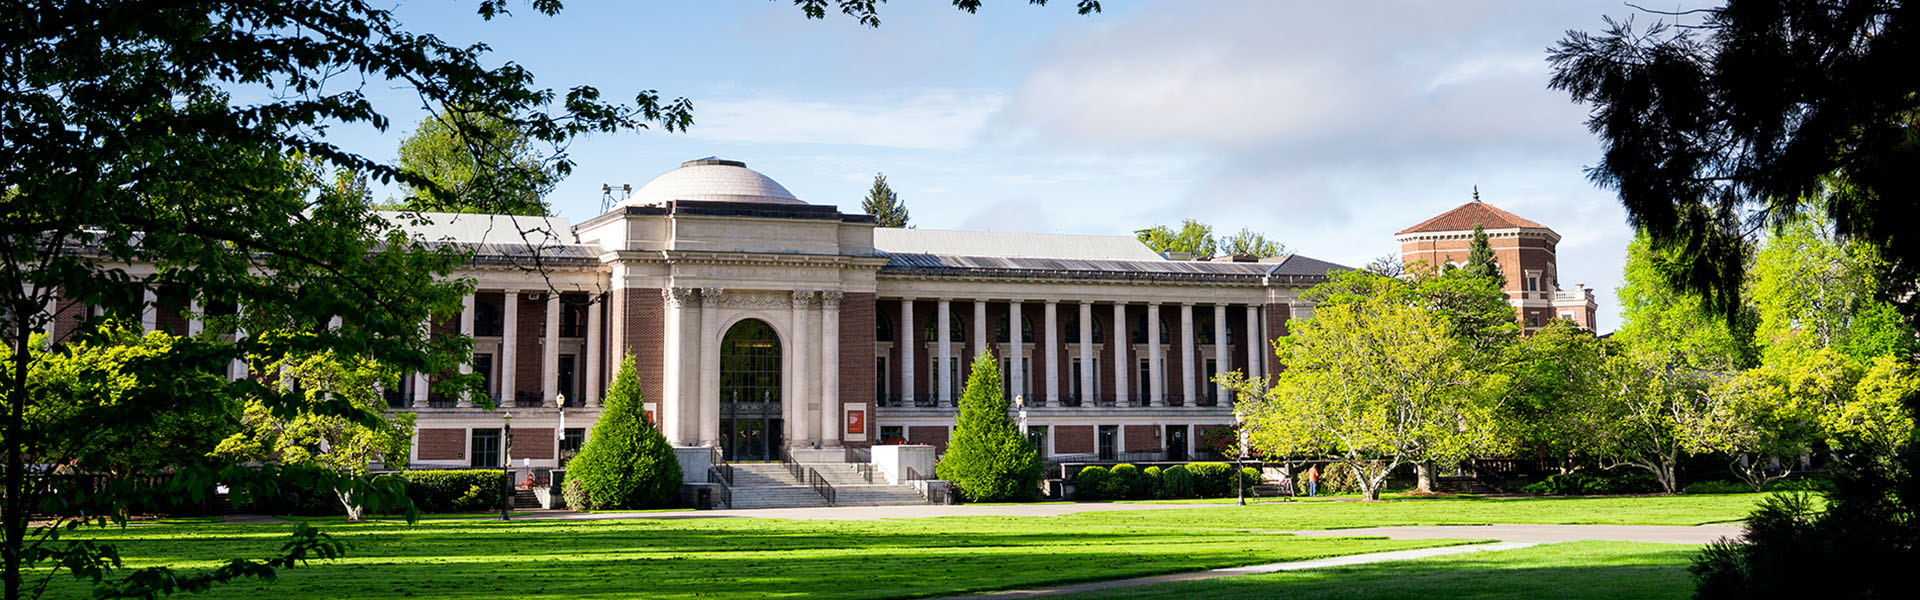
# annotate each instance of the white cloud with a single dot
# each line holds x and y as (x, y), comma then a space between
(935, 119)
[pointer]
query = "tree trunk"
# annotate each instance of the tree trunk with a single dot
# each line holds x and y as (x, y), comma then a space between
(16, 486)
(1423, 476)
(353, 508)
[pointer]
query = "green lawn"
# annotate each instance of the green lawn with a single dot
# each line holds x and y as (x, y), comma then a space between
(1571, 571)
(1650, 510)
(683, 558)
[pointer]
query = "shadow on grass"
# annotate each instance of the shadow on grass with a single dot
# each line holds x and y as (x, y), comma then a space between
(1573, 571)
(722, 558)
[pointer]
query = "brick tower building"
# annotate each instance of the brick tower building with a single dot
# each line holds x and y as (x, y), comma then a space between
(1524, 249)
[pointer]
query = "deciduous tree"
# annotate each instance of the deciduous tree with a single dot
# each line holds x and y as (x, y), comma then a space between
(479, 162)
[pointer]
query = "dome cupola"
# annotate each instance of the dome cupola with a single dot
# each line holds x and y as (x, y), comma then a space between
(711, 179)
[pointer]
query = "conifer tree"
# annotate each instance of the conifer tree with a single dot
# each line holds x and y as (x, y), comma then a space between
(884, 204)
(626, 462)
(989, 459)
(1480, 260)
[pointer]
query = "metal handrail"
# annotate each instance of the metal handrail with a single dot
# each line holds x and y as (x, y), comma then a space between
(859, 455)
(726, 490)
(926, 491)
(821, 486)
(793, 466)
(719, 462)
(865, 470)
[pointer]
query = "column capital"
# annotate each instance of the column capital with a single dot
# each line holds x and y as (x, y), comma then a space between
(680, 297)
(712, 296)
(803, 299)
(830, 299)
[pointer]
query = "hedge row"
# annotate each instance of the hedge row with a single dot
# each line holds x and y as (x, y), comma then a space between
(453, 490)
(1191, 480)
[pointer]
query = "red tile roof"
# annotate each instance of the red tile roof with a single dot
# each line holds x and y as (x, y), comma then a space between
(1470, 214)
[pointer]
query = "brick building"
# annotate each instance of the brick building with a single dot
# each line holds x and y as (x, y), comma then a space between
(1524, 249)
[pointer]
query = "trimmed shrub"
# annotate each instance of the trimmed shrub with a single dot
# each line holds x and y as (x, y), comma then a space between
(1339, 478)
(1176, 482)
(1091, 480)
(1155, 485)
(1211, 479)
(455, 490)
(1631, 482)
(1123, 483)
(626, 462)
(1250, 477)
(989, 458)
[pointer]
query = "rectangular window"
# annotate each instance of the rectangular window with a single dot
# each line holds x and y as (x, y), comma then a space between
(572, 439)
(1533, 283)
(400, 395)
(1145, 378)
(1037, 436)
(1073, 385)
(486, 449)
(1568, 316)
(573, 319)
(1210, 391)
(565, 381)
(892, 433)
(483, 366)
(1109, 439)
(880, 382)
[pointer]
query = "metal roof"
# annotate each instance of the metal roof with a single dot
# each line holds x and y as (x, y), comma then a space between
(1293, 268)
(1012, 245)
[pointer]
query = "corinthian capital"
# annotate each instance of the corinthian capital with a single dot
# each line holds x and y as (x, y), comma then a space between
(803, 299)
(680, 297)
(830, 299)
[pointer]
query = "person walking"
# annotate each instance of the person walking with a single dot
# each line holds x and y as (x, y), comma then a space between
(1313, 481)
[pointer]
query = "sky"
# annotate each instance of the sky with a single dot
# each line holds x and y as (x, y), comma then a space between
(1327, 126)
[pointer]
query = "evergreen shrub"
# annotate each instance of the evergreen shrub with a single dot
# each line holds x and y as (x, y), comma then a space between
(455, 490)
(1176, 482)
(1087, 485)
(1155, 486)
(989, 459)
(1211, 479)
(626, 463)
(1123, 483)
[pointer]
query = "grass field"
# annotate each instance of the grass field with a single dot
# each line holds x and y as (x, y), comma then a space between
(1571, 571)
(733, 558)
(680, 558)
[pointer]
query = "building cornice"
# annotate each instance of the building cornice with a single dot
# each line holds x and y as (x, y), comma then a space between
(1512, 232)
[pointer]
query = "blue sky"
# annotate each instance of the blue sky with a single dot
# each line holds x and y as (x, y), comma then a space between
(1326, 125)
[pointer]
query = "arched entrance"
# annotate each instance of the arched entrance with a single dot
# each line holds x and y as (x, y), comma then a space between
(750, 376)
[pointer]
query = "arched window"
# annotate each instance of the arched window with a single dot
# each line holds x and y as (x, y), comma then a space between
(1000, 333)
(1140, 330)
(1073, 330)
(882, 328)
(956, 331)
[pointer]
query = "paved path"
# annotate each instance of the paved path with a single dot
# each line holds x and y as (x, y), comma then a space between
(1544, 534)
(1337, 561)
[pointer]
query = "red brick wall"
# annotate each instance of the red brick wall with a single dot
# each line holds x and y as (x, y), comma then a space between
(1073, 439)
(442, 444)
(171, 315)
(533, 442)
(1175, 361)
(1141, 438)
(935, 435)
(528, 347)
(1242, 343)
(644, 319)
(68, 316)
(856, 358)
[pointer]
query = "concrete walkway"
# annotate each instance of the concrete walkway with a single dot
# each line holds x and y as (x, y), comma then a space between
(1337, 561)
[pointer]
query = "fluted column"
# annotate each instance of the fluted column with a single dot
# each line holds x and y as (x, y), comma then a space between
(1255, 338)
(550, 354)
(1053, 353)
(943, 335)
(510, 348)
(149, 309)
(593, 353)
(466, 329)
(420, 379)
(674, 420)
(1089, 371)
(830, 368)
(1156, 358)
(1222, 361)
(802, 391)
(903, 337)
(1015, 354)
(1120, 365)
(706, 350)
(1186, 356)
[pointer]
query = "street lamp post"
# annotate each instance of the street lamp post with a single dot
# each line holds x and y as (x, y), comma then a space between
(1240, 464)
(506, 463)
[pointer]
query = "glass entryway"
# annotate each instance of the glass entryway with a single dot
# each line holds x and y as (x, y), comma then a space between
(750, 419)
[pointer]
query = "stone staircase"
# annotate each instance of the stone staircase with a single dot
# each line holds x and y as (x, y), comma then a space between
(770, 485)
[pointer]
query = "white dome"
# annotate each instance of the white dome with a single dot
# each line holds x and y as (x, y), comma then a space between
(711, 180)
